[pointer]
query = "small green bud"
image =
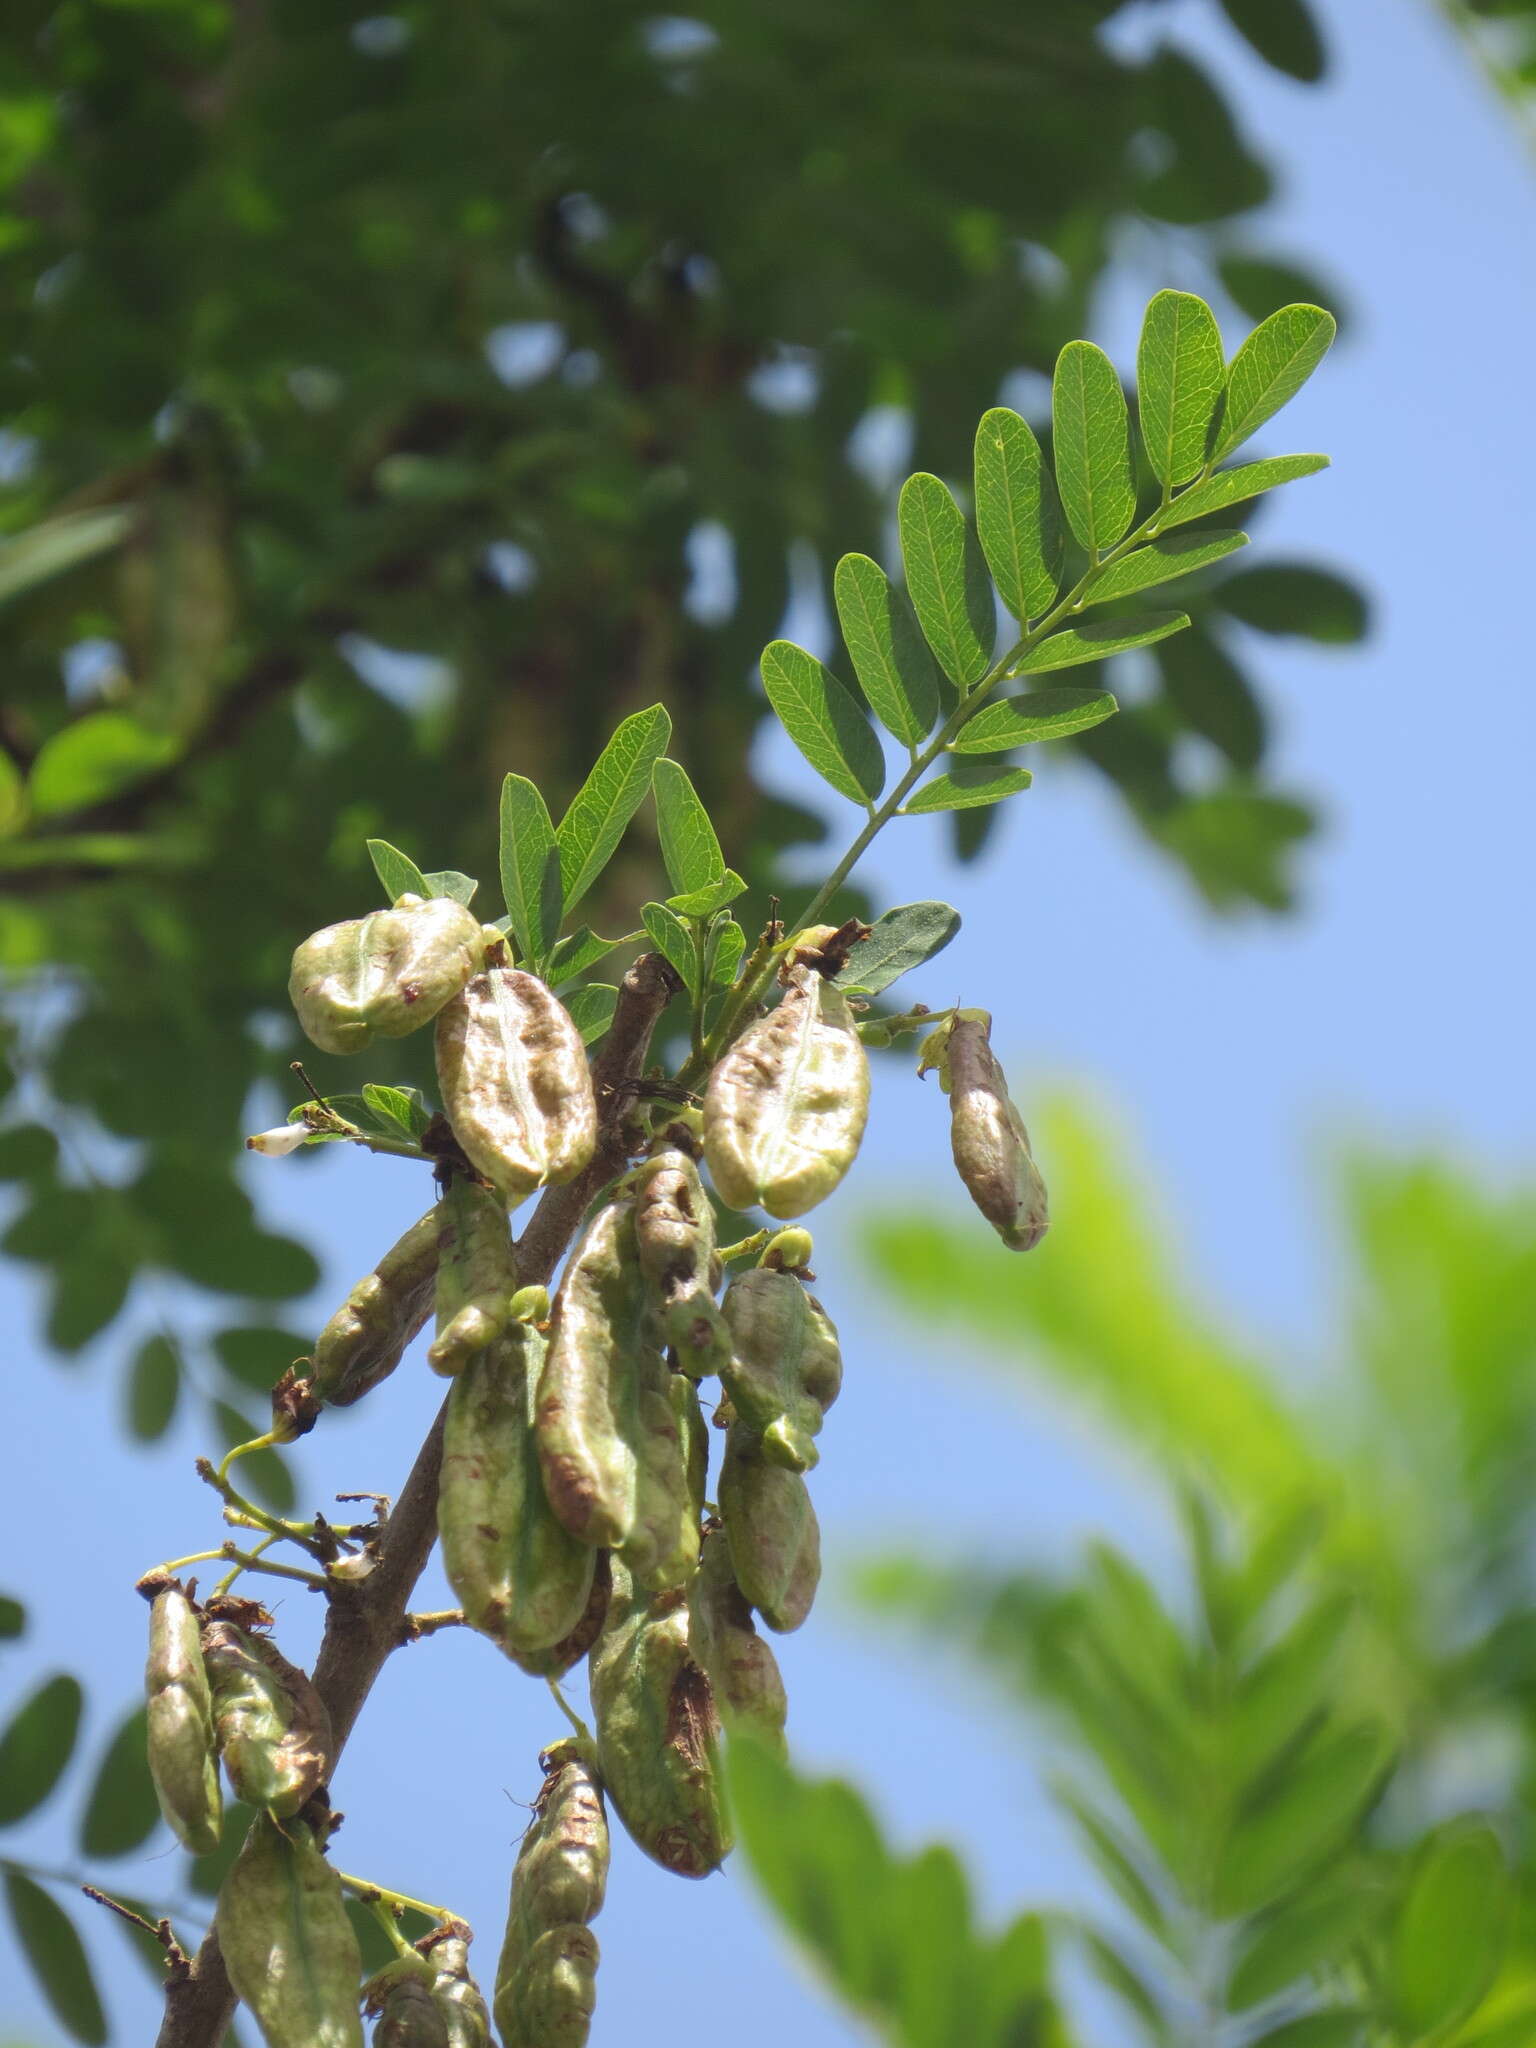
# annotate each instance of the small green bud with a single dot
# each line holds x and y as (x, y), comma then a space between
(788, 1251)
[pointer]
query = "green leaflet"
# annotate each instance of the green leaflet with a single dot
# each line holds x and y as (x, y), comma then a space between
(947, 579)
(1269, 369)
(1042, 715)
(1160, 562)
(398, 874)
(589, 833)
(898, 941)
(1180, 369)
(968, 786)
(690, 850)
(823, 721)
(1017, 517)
(46, 1936)
(531, 883)
(889, 655)
(1096, 640)
(1233, 486)
(1092, 446)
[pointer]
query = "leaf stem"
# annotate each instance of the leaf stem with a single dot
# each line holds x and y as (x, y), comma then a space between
(570, 1713)
(373, 1894)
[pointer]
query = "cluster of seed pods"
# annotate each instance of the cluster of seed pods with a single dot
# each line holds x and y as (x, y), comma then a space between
(575, 1507)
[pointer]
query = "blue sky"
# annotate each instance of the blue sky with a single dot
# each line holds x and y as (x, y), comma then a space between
(1397, 1008)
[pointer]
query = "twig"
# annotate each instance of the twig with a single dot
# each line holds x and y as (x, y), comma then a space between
(176, 1962)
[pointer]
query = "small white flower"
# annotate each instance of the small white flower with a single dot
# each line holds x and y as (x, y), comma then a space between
(277, 1144)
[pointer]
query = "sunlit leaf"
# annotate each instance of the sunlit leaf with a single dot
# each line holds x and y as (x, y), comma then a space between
(591, 1009)
(1017, 518)
(947, 579)
(1312, 1807)
(1092, 446)
(967, 786)
(531, 879)
(889, 655)
(1269, 369)
(690, 850)
(1160, 562)
(823, 721)
(901, 939)
(1235, 486)
(1451, 1929)
(1096, 640)
(1180, 369)
(1050, 714)
(589, 833)
(398, 874)
(1309, 1933)
(95, 757)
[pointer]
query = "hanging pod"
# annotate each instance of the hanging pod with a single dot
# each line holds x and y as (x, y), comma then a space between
(546, 1980)
(384, 975)
(178, 1701)
(515, 1086)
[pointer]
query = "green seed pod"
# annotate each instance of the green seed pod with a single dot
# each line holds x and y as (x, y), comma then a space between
(476, 1275)
(457, 1994)
(741, 1667)
(657, 1730)
(550, 2002)
(521, 1577)
(771, 1528)
(273, 1729)
(366, 1338)
(288, 1944)
(675, 1234)
(408, 2014)
(557, 1887)
(988, 1137)
(785, 1367)
(384, 975)
(515, 1085)
(785, 1108)
(183, 1759)
(569, 1651)
(608, 1437)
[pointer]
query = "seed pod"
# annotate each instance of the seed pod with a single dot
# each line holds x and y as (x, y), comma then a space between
(675, 1234)
(608, 1437)
(408, 2014)
(569, 1651)
(183, 1760)
(741, 1667)
(288, 1944)
(545, 1984)
(272, 1726)
(521, 1577)
(771, 1528)
(657, 1730)
(383, 975)
(455, 1990)
(366, 1338)
(551, 2001)
(476, 1275)
(515, 1085)
(785, 1108)
(987, 1135)
(785, 1367)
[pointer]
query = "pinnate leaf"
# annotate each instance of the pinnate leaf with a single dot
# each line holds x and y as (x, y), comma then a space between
(690, 851)
(1092, 446)
(672, 938)
(1309, 1810)
(1051, 714)
(1017, 517)
(889, 655)
(946, 579)
(823, 721)
(969, 786)
(531, 879)
(591, 1009)
(589, 833)
(1160, 562)
(1096, 640)
(1235, 486)
(1269, 369)
(1180, 369)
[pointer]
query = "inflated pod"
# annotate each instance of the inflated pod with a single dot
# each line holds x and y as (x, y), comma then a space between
(608, 1435)
(476, 1275)
(366, 1338)
(786, 1368)
(675, 1235)
(272, 1726)
(742, 1669)
(521, 1577)
(771, 1527)
(466, 2017)
(288, 1944)
(383, 975)
(546, 1986)
(513, 1073)
(562, 1656)
(987, 1135)
(785, 1108)
(658, 1731)
(183, 1756)
(408, 2015)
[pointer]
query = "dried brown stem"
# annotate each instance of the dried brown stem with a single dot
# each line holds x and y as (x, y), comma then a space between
(364, 1624)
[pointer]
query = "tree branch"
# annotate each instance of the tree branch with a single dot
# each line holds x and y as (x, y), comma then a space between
(364, 1623)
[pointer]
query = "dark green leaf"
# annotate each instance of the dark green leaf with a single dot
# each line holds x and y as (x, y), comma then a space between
(153, 1388)
(1017, 517)
(933, 1958)
(1025, 721)
(1288, 1685)
(1014, 1983)
(705, 902)
(398, 874)
(1212, 697)
(899, 941)
(26, 1150)
(889, 655)
(576, 953)
(1096, 640)
(722, 954)
(122, 1810)
(206, 1873)
(1144, 568)
(460, 888)
(46, 1936)
(258, 1355)
(1180, 369)
(531, 883)
(969, 785)
(1317, 2030)
(823, 721)
(1115, 1861)
(589, 833)
(95, 757)
(1315, 1804)
(13, 1618)
(1234, 486)
(690, 851)
(1451, 1930)
(56, 1221)
(591, 1009)
(1269, 369)
(37, 1744)
(672, 938)
(1092, 446)
(90, 1286)
(947, 579)
(1261, 285)
(56, 545)
(1285, 34)
(1308, 1934)
(402, 1107)
(262, 1473)
(1286, 597)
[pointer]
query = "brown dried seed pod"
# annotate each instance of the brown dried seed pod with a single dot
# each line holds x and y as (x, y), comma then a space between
(988, 1137)
(515, 1084)
(367, 1337)
(272, 1726)
(742, 1669)
(772, 1531)
(675, 1236)
(183, 1758)
(383, 975)
(785, 1108)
